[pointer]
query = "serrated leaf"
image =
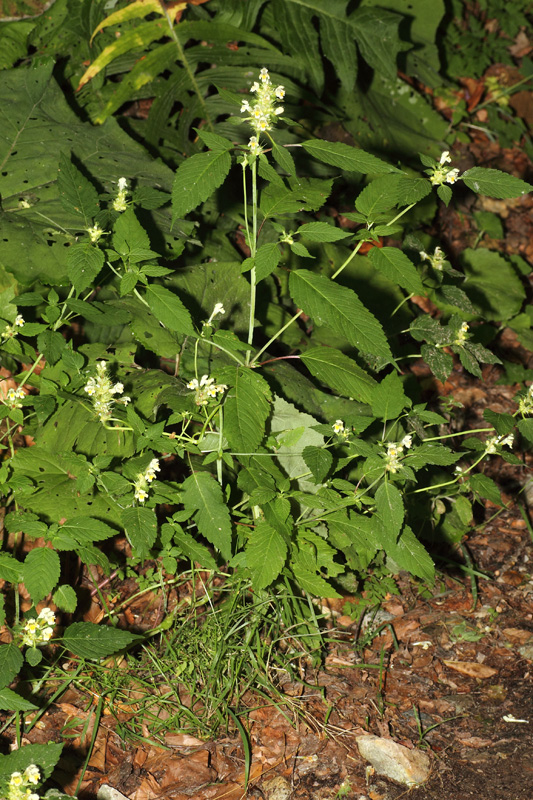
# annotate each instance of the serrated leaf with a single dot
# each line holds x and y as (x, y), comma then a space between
(11, 662)
(390, 509)
(41, 572)
(192, 549)
(295, 27)
(169, 309)
(87, 640)
(266, 260)
(322, 232)
(283, 158)
(10, 568)
(456, 297)
(439, 362)
(196, 180)
(202, 496)
(45, 756)
(87, 530)
(318, 460)
(338, 46)
(433, 453)
(485, 487)
(525, 426)
(331, 304)
(84, 262)
(380, 195)
(140, 525)
(130, 239)
(494, 183)
(76, 193)
(312, 583)
(376, 33)
(11, 701)
(412, 190)
(214, 141)
(393, 263)
(65, 598)
(339, 372)
(409, 554)
(266, 552)
(502, 423)
(349, 159)
(246, 410)
(388, 398)
(51, 344)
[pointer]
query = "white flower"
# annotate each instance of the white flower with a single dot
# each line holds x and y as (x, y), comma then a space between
(141, 495)
(119, 203)
(254, 145)
(445, 158)
(38, 631)
(205, 389)
(122, 184)
(452, 175)
(436, 260)
(461, 334)
(103, 392)
(262, 109)
(441, 173)
(19, 321)
(338, 426)
(407, 441)
(494, 442)
(95, 233)
(279, 92)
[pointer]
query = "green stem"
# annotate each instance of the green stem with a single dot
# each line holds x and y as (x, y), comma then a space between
(450, 483)
(276, 335)
(253, 250)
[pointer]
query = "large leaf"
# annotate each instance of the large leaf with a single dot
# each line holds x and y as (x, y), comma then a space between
(140, 525)
(197, 178)
(10, 663)
(494, 183)
(492, 284)
(331, 304)
(339, 372)
(41, 572)
(347, 158)
(409, 554)
(169, 309)
(203, 497)
(390, 510)
(396, 266)
(87, 640)
(245, 411)
(266, 552)
(388, 398)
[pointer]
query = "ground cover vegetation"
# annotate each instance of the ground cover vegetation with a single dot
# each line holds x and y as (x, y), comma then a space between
(218, 264)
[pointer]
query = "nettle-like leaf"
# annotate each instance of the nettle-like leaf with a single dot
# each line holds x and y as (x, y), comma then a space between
(41, 572)
(494, 183)
(196, 180)
(44, 756)
(339, 372)
(347, 158)
(389, 398)
(202, 496)
(140, 525)
(246, 409)
(266, 552)
(87, 640)
(398, 267)
(11, 662)
(338, 307)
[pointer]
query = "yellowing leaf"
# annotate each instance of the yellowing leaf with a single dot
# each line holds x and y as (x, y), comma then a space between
(471, 668)
(139, 9)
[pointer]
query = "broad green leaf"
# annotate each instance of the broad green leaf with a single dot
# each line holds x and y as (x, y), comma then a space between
(347, 158)
(312, 583)
(338, 45)
(246, 410)
(432, 453)
(44, 756)
(492, 284)
(494, 183)
(192, 549)
(76, 192)
(266, 260)
(502, 423)
(338, 307)
(65, 598)
(87, 640)
(388, 398)
(147, 330)
(130, 239)
(214, 141)
(196, 180)
(11, 701)
(412, 190)
(84, 262)
(380, 195)
(51, 344)
(266, 552)
(41, 572)
(140, 525)
(87, 530)
(322, 232)
(409, 554)
(318, 460)
(203, 497)
(135, 10)
(169, 309)
(376, 33)
(525, 426)
(283, 158)
(391, 512)
(298, 34)
(396, 266)
(485, 487)
(294, 431)
(439, 362)
(10, 569)
(357, 531)
(11, 662)
(339, 372)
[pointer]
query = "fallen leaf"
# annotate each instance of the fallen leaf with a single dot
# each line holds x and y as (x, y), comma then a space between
(471, 668)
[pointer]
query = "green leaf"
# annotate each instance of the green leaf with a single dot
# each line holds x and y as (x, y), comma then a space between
(494, 183)
(388, 398)
(338, 46)
(192, 549)
(380, 195)
(130, 239)
(525, 426)
(396, 266)
(294, 26)
(11, 569)
(492, 284)
(87, 640)
(140, 525)
(502, 423)
(84, 262)
(485, 487)
(77, 194)
(349, 159)
(439, 362)
(318, 460)
(44, 756)
(432, 453)
(266, 552)
(65, 598)
(196, 180)
(445, 193)
(339, 372)
(51, 344)
(376, 33)
(391, 512)
(41, 572)
(169, 309)
(283, 158)
(11, 701)
(294, 430)
(246, 410)
(330, 304)
(312, 583)
(266, 260)
(412, 190)
(214, 141)
(202, 496)
(409, 554)
(322, 232)
(11, 662)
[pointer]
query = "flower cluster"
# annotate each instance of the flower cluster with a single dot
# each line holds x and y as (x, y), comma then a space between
(339, 429)
(443, 174)
(11, 330)
(461, 337)
(13, 396)
(96, 231)
(119, 203)
(436, 260)
(525, 404)
(494, 442)
(262, 109)
(144, 479)
(395, 451)
(103, 392)
(20, 784)
(39, 631)
(206, 389)
(218, 309)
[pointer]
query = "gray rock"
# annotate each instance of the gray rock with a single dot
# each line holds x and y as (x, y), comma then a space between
(527, 651)
(106, 792)
(409, 767)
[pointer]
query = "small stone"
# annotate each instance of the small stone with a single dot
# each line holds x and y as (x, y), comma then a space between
(527, 651)
(276, 788)
(409, 767)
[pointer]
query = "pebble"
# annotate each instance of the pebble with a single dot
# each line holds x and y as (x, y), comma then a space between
(527, 651)
(409, 767)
